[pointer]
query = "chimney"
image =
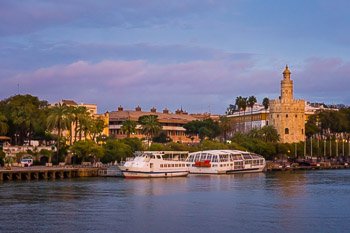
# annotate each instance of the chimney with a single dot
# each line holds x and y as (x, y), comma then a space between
(138, 108)
(166, 111)
(178, 111)
(120, 108)
(153, 109)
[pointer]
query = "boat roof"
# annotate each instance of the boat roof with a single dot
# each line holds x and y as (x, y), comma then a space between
(222, 152)
(163, 152)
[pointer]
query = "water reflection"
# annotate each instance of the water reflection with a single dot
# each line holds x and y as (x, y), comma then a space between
(256, 202)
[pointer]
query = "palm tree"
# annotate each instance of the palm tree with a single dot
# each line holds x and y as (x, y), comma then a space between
(266, 103)
(150, 125)
(129, 127)
(81, 118)
(251, 101)
(239, 106)
(58, 119)
(95, 128)
(3, 125)
(244, 108)
(225, 126)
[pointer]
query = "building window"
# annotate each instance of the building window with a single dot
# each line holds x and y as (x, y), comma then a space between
(286, 115)
(302, 131)
(286, 131)
(296, 115)
(278, 115)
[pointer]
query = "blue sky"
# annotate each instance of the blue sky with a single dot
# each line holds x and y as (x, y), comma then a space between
(198, 55)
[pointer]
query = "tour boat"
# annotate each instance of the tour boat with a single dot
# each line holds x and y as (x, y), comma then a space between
(224, 161)
(149, 164)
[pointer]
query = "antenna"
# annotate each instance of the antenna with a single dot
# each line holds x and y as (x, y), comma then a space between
(18, 88)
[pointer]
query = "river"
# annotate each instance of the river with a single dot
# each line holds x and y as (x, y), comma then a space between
(303, 201)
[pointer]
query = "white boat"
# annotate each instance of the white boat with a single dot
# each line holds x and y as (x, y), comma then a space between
(224, 161)
(149, 164)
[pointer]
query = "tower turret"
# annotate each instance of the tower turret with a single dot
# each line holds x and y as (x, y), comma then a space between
(286, 86)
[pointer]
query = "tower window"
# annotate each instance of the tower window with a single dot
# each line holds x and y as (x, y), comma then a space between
(286, 115)
(278, 115)
(286, 131)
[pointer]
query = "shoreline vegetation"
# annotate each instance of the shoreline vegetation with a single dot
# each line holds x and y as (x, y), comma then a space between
(24, 118)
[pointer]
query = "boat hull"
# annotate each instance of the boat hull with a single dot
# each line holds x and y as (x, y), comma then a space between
(220, 172)
(161, 174)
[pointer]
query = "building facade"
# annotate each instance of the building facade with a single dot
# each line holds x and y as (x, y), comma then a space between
(171, 123)
(287, 114)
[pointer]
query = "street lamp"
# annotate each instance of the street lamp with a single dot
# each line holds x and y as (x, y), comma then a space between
(324, 149)
(343, 147)
(336, 148)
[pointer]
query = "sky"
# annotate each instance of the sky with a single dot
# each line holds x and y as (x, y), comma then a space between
(198, 55)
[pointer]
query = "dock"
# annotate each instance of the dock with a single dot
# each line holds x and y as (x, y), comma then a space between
(46, 173)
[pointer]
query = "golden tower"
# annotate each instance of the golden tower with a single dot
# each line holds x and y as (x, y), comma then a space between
(287, 114)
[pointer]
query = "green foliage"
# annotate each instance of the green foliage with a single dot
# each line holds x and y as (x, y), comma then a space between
(2, 157)
(204, 129)
(150, 125)
(212, 145)
(162, 137)
(158, 147)
(85, 150)
(129, 127)
(266, 103)
(23, 117)
(116, 150)
(134, 143)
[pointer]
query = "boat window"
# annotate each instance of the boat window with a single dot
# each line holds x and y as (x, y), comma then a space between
(197, 157)
(209, 157)
(158, 157)
(215, 159)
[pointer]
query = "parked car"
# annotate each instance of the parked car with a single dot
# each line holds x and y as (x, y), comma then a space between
(27, 162)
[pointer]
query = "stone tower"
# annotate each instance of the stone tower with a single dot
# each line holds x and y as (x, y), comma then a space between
(287, 114)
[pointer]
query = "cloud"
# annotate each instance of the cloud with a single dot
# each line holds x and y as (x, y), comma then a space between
(112, 82)
(324, 79)
(21, 17)
(197, 85)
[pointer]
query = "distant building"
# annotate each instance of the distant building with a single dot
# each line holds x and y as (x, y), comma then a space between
(172, 123)
(287, 114)
(250, 119)
(92, 109)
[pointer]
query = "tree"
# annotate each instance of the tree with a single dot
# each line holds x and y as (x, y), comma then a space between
(3, 125)
(241, 103)
(230, 109)
(251, 101)
(87, 150)
(204, 129)
(115, 150)
(162, 137)
(129, 127)
(58, 119)
(225, 125)
(81, 120)
(95, 128)
(269, 134)
(25, 116)
(150, 125)
(266, 103)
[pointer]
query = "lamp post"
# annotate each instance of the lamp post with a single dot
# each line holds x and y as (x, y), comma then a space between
(343, 148)
(311, 147)
(295, 150)
(336, 148)
(324, 149)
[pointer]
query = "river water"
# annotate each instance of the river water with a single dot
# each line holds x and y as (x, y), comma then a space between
(309, 201)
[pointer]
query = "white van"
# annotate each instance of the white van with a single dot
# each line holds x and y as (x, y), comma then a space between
(27, 162)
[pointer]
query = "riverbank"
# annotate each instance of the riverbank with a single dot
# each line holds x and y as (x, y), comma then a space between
(46, 173)
(66, 172)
